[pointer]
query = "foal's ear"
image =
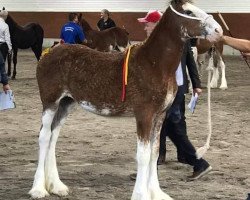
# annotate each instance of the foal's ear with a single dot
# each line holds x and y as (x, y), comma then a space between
(80, 16)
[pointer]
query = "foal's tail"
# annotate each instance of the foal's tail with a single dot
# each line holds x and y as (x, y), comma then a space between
(39, 40)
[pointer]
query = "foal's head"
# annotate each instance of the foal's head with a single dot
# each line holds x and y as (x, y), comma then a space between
(194, 22)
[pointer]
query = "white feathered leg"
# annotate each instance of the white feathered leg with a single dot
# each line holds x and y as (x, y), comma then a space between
(38, 189)
(140, 191)
(223, 85)
(53, 183)
(153, 184)
(215, 78)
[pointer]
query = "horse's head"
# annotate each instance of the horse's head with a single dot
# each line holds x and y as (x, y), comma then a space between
(193, 21)
(83, 23)
(4, 13)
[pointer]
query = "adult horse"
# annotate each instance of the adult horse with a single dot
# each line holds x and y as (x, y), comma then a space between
(24, 37)
(106, 40)
(214, 51)
(71, 74)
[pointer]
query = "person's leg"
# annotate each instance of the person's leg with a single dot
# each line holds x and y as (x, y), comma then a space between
(173, 114)
(186, 152)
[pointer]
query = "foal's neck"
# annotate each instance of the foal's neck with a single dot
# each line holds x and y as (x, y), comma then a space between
(164, 46)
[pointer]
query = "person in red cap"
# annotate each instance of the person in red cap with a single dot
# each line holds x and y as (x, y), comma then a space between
(150, 20)
(174, 125)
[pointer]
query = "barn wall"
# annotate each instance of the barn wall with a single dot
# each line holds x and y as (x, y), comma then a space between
(212, 6)
(53, 21)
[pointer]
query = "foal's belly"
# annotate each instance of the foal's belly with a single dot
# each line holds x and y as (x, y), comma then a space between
(106, 109)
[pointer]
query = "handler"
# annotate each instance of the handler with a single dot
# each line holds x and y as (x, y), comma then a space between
(174, 125)
(5, 46)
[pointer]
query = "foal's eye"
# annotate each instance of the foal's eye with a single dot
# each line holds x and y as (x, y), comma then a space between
(188, 12)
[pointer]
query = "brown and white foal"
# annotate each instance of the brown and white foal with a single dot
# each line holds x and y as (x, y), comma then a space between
(75, 74)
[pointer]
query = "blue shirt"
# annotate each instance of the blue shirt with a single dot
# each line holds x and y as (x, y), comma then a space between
(72, 33)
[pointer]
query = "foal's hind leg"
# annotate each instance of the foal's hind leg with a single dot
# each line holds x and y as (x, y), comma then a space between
(53, 183)
(38, 189)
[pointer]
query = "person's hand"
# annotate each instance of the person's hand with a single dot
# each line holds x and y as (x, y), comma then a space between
(246, 55)
(6, 87)
(197, 90)
(10, 52)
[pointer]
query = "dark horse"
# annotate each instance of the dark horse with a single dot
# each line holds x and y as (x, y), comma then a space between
(24, 37)
(106, 40)
(74, 74)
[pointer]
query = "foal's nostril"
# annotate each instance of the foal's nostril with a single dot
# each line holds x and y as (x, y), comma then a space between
(217, 30)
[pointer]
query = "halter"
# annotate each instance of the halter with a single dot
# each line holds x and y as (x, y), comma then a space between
(189, 17)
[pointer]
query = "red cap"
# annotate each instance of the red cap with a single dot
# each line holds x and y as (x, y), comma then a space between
(152, 16)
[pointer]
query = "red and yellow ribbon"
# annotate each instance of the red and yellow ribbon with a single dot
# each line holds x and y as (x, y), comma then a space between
(125, 74)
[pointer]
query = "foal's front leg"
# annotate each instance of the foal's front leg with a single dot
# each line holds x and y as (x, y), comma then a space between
(147, 185)
(153, 184)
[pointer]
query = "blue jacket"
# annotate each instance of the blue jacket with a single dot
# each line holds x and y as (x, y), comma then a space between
(72, 33)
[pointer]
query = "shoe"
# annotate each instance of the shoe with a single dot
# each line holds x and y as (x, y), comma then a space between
(133, 176)
(161, 159)
(199, 173)
(248, 198)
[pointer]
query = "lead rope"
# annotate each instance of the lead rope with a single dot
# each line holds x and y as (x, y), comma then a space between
(202, 150)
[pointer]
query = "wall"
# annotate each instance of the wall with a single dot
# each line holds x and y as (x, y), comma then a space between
(52, 22)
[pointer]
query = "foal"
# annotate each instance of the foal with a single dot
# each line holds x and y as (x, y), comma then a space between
(214, 51)
(106, 40)
(65, 78)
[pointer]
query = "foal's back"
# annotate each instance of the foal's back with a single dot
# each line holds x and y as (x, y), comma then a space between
(84, 73)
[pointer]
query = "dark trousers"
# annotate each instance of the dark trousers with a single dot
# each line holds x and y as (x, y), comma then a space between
(174, 126)
(4, 50)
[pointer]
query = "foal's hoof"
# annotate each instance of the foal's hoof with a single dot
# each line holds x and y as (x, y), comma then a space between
(223, 87)
(13, 78)
(59, 188)
(37, 193)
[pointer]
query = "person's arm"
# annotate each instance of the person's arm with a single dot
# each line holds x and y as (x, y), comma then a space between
(99, 25)
(239, 44)
(81, 35)
(112, 23)
(192, 71)
(7, 38)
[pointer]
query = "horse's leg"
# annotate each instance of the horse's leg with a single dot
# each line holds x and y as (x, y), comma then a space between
(52, 181)
(37, 51)
(215, 77)
(144, 124)
(147, 185)
(223, 85)
(153, 183)
(38, 189)
(14, 62)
